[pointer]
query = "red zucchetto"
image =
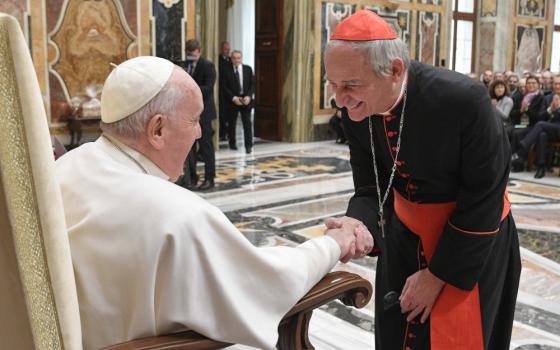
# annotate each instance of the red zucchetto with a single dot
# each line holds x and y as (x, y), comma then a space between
(363, 25)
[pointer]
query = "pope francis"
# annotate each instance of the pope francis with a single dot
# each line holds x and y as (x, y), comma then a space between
(151, 257)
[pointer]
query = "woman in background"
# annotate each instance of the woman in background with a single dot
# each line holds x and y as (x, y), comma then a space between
(499, 93)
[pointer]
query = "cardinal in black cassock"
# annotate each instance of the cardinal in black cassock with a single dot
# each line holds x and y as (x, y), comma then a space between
(427, 149)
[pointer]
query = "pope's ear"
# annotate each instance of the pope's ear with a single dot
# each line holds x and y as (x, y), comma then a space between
(154, 131)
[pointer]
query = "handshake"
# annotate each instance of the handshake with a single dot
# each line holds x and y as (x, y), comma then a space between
(352, 236)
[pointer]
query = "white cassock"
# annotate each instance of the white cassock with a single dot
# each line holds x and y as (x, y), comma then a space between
(151, 257)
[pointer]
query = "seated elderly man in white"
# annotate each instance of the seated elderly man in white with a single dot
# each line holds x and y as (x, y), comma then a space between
(151, 257)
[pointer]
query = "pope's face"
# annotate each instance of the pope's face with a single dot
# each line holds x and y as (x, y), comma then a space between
(184, 128)
(356, 85)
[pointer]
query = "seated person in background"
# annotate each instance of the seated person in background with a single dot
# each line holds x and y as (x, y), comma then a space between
(499, 94)
(546, 82)
(498, 76)
(486, 77)
(528, 114)
(512, 82)
(517, 97)
(543, 132)
(151, 257)
(336, 123)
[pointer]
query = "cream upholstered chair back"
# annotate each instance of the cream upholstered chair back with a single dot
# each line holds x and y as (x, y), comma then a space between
(38, 300)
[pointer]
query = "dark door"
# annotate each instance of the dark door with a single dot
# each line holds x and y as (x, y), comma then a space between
(268, 70)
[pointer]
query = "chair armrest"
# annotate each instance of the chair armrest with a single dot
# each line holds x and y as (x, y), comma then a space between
(349, 288)
(188, 340)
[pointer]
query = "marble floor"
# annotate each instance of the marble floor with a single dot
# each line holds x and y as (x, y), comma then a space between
(281, 193)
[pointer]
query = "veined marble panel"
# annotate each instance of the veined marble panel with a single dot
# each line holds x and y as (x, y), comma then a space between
(332, 13)
(53, 10)
(236, 173)
(535, 189)
(428, 37)
(16, 8)
(291, 214)
(486, 49)
(540, 282)
(131, 14)
(525, 337)
(529, 42)
(88, 36)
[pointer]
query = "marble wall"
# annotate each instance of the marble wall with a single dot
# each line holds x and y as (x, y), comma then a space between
(486, 46)
(86, 37)
(531, 34)
(73, 42)
(422, 24)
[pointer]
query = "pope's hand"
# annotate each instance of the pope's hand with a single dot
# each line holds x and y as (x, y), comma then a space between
(346, 241)
(419, 294)
(363, 243)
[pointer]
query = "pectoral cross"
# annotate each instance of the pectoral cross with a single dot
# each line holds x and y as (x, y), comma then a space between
(381, 224)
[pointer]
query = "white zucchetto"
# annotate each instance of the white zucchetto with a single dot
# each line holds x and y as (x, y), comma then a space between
(131, 85)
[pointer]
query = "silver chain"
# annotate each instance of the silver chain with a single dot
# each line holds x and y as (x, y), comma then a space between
(377, 184)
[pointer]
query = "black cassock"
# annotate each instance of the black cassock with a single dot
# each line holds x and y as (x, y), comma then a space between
(447, 210)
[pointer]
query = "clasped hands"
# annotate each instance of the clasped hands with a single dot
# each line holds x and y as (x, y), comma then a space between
(352, 236)
(242, 101)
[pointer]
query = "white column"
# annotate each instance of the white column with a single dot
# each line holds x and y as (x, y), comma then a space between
(503, 44)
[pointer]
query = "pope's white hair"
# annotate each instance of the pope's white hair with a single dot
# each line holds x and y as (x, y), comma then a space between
(165, 102)
(380, 53)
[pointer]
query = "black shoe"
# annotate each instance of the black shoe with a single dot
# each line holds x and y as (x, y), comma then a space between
(206, 185)
(233, 147)
(517, 164)
(248, 150)
(541, 171)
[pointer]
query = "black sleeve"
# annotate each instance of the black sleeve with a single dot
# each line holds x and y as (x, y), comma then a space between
(515, 114)
(534, 110)
(364, 204)
(468, 236)
(228, 84)
(208, 79)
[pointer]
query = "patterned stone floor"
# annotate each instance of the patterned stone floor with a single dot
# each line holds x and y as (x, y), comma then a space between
(281, 193)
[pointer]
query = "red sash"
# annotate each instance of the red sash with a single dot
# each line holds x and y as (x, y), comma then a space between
(455, 321)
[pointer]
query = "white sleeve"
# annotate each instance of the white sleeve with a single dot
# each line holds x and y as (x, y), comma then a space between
(227, 289)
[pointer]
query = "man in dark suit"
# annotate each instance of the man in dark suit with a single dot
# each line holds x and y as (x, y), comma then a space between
(204, 73)
(546, 130)
(224, 63)
(238, 89)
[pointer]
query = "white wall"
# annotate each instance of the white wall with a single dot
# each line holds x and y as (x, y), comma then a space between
(241, 29)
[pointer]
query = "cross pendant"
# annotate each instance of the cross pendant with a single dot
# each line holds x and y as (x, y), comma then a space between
(381, 224)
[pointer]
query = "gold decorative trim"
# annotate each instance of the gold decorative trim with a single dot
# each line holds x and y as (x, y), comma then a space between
(22, 206)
